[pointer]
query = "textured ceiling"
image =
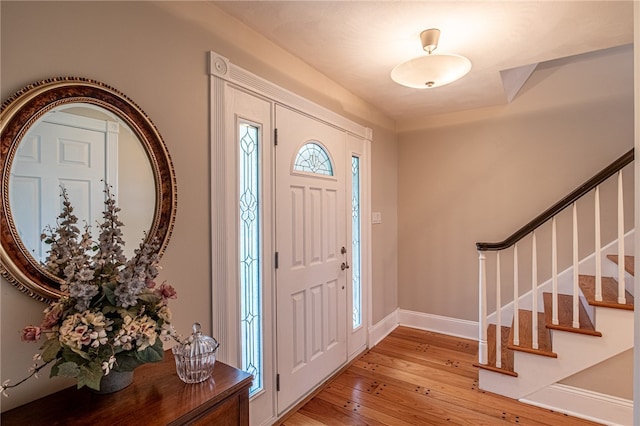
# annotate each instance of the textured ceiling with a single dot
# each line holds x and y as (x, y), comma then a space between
(357, 43)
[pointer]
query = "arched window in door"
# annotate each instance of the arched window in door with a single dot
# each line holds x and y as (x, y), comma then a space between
(313, 158)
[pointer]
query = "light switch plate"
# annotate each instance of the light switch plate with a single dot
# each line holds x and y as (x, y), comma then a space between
(376, 217)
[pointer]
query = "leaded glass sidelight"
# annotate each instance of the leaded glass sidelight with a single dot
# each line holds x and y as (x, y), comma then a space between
(355, 246)
(249, 244)
(313, 158)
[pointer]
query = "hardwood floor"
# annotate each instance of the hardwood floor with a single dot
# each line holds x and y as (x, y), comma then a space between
(415, 377)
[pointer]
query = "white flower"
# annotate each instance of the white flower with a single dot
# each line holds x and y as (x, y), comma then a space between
(4, 387)
(164, 314)
(108, 365)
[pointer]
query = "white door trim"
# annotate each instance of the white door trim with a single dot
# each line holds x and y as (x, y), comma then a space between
(221, 68)
(224, 74)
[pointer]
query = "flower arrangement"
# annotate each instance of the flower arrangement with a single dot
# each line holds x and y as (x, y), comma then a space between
(113, 315)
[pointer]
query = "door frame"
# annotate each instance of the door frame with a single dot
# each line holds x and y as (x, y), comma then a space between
(224, 295)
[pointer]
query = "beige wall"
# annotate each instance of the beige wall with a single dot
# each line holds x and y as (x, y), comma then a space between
(486, 173)
(156, 53)
(611, 377)
(480, 175)
(384, 183)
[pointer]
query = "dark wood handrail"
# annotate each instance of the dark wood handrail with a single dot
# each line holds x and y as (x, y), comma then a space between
(606, 173)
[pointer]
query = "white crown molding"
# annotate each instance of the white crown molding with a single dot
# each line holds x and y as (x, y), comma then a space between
(221, 67)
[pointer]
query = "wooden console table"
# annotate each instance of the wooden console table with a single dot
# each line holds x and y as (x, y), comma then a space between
(157, 396)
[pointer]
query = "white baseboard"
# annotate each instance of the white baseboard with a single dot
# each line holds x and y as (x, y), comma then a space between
(439, 324)
(382, 328)
(582, 403)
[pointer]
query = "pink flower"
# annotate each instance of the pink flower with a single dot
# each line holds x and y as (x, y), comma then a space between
(31, 333)
(166, 291)
(151, 283)
(52, 316)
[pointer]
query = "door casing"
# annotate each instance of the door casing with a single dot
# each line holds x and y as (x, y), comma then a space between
(225, 77)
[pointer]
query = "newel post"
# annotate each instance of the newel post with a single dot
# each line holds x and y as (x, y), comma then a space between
(482, 350)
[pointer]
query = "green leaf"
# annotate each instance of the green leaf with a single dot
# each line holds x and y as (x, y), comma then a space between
(127, 361)
(90, 376)
(50, 349)
(109, 309)
(54, 368)
(109, 294)
(68, 369)
(76, 356)
(80, 352)
(149, 298)
(153, 353)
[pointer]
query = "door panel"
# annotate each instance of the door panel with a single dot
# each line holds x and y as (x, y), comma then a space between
(57, 155)
(310, 231)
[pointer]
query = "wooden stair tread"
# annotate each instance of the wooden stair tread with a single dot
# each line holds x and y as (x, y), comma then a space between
(506, 353)
(565, 315)
(526, 333)
(609, 293)
(628, 262)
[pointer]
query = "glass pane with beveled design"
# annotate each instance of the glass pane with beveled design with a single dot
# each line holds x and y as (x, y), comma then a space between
(249, 243)
(313, 158)
(355, 243)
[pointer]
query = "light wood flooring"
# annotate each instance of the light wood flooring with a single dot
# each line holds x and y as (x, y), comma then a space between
(415, 377)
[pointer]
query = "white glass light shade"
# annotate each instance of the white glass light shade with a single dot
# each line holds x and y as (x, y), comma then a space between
(431, 71)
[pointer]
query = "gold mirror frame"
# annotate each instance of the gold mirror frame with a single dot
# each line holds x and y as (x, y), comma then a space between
(17, 115)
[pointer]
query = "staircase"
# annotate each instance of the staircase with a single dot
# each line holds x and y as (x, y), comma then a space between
(573, 321)
(567, 350)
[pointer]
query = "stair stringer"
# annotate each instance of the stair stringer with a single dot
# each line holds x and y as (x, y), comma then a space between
(576, 352)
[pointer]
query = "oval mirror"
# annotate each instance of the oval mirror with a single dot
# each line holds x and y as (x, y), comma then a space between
(77, 134)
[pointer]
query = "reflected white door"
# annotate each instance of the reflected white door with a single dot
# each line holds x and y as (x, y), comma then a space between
(54, 154)
(310, 235)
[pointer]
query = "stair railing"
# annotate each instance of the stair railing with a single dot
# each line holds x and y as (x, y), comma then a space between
(530, 228)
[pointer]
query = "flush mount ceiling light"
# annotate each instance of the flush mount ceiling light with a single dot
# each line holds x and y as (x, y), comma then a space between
(433, 70)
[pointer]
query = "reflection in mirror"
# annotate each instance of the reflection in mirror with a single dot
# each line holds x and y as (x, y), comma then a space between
(77, 134)
(79, 147)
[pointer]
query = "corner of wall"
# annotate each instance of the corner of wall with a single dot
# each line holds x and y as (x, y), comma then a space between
(383, 328)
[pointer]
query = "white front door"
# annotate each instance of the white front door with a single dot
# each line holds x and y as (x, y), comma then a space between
(310, 236)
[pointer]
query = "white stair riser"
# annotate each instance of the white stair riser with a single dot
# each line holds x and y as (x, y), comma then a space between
(576, 352)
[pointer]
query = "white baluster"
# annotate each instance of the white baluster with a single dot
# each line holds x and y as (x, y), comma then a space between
(554, 272)
(621, 278)
(516, 317)
(598, 247)
(576, 297)
(498, 314)
(534, 290)
(482, 350)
